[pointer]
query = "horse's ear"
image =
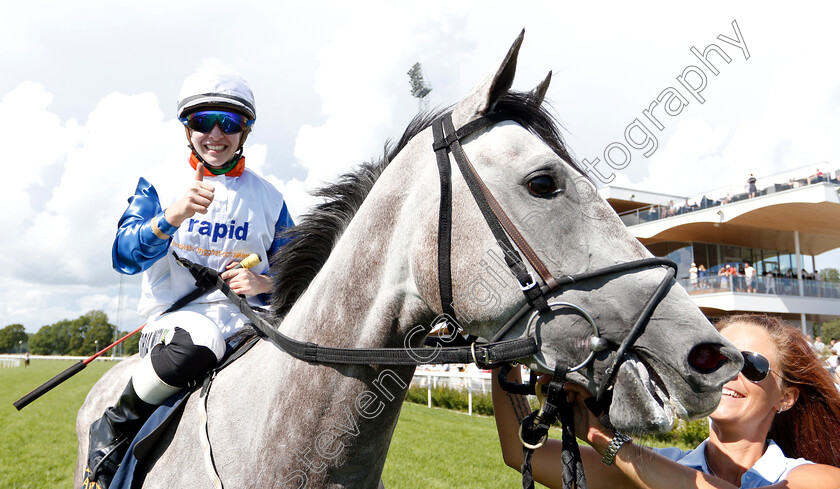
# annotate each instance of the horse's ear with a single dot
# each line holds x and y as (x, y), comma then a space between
(483, 98)
(539, 91)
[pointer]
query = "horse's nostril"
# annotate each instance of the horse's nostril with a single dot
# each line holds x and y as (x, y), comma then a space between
(706, 358)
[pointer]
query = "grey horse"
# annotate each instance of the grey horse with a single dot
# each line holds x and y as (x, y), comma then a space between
(363, 273)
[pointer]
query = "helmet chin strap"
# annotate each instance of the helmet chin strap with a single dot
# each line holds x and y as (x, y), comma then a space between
(230, 165)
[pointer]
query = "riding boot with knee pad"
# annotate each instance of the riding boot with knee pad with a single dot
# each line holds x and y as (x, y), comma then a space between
(111, 434)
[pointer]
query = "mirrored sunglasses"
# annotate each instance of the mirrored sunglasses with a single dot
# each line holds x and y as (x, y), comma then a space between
(229, 122)
(756, 366)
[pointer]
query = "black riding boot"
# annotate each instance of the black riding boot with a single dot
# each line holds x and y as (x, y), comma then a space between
(111, 434)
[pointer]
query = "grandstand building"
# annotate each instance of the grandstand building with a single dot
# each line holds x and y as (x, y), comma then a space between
(778, 229)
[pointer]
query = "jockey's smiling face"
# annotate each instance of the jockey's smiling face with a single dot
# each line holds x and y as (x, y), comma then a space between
(216, 148)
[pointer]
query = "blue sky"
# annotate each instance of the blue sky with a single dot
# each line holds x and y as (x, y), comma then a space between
(87, 105)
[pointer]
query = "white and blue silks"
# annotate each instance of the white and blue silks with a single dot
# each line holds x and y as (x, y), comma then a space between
(246, 216)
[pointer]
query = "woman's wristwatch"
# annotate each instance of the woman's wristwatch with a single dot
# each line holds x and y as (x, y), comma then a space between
(618, 440)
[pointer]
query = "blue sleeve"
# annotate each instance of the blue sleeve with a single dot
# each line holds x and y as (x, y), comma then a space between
(136, 246)
(284, 222)
(672, 453)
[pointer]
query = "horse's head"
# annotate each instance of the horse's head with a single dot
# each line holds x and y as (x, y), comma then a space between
(678, 363)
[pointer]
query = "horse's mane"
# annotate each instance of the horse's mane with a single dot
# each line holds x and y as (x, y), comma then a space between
(312, 240)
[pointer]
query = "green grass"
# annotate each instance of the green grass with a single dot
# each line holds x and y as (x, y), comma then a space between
(38, 443)
(432, 448)
(436, 448)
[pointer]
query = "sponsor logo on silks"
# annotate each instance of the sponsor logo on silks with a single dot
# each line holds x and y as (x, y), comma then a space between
(219, 230)
(150, 340)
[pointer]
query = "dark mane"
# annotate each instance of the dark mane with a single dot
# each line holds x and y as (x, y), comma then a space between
(312, 240)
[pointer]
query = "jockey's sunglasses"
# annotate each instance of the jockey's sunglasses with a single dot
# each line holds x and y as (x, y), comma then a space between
(229, 122)
(756, 367)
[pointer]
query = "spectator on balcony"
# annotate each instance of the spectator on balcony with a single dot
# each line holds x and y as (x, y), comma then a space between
(769, 283)
(723, 273)
(701, 276)
(816, 177)
(749, 276)
(735, 280)
(751, 189)
(692, 276)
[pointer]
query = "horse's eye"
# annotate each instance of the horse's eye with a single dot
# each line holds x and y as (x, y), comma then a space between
(542, 186)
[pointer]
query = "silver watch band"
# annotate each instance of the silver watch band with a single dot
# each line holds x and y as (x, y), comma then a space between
(618, 440)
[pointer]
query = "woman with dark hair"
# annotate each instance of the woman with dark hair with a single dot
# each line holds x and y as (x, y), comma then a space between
(777, 425)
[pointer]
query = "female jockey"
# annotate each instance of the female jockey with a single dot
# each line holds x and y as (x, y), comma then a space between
(226, 213)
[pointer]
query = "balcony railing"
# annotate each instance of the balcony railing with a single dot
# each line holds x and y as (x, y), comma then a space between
(760, 285)
(766, 186)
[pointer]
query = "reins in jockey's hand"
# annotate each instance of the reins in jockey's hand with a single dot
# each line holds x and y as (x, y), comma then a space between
(205, 283)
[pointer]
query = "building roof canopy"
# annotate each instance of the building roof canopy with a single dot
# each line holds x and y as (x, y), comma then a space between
(765, 222)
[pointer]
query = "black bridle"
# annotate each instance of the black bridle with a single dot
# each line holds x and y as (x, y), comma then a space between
(447, 139)
(534, 429)
(497, 351)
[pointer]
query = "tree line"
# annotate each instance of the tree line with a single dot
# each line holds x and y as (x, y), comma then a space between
(82, 336)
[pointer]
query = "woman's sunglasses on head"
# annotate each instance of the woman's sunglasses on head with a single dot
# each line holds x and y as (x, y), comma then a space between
(229, 122)
(756, 366)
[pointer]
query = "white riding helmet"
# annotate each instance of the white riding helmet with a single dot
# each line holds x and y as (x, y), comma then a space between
(216, 88)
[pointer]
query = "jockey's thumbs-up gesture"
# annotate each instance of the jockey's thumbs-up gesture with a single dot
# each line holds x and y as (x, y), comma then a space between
(195, 200)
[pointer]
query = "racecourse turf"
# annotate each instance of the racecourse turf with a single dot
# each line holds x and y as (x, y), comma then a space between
(432, 448)
(38, 443)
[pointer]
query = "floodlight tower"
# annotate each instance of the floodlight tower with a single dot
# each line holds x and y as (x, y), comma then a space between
(419, 87)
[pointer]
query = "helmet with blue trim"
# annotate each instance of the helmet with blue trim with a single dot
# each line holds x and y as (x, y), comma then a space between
(216, 89)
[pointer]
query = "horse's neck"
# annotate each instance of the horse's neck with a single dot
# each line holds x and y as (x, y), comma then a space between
(363, 297)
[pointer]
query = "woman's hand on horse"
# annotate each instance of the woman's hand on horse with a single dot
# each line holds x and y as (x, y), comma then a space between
(243, 281)
(195, 200)
(587, 426)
